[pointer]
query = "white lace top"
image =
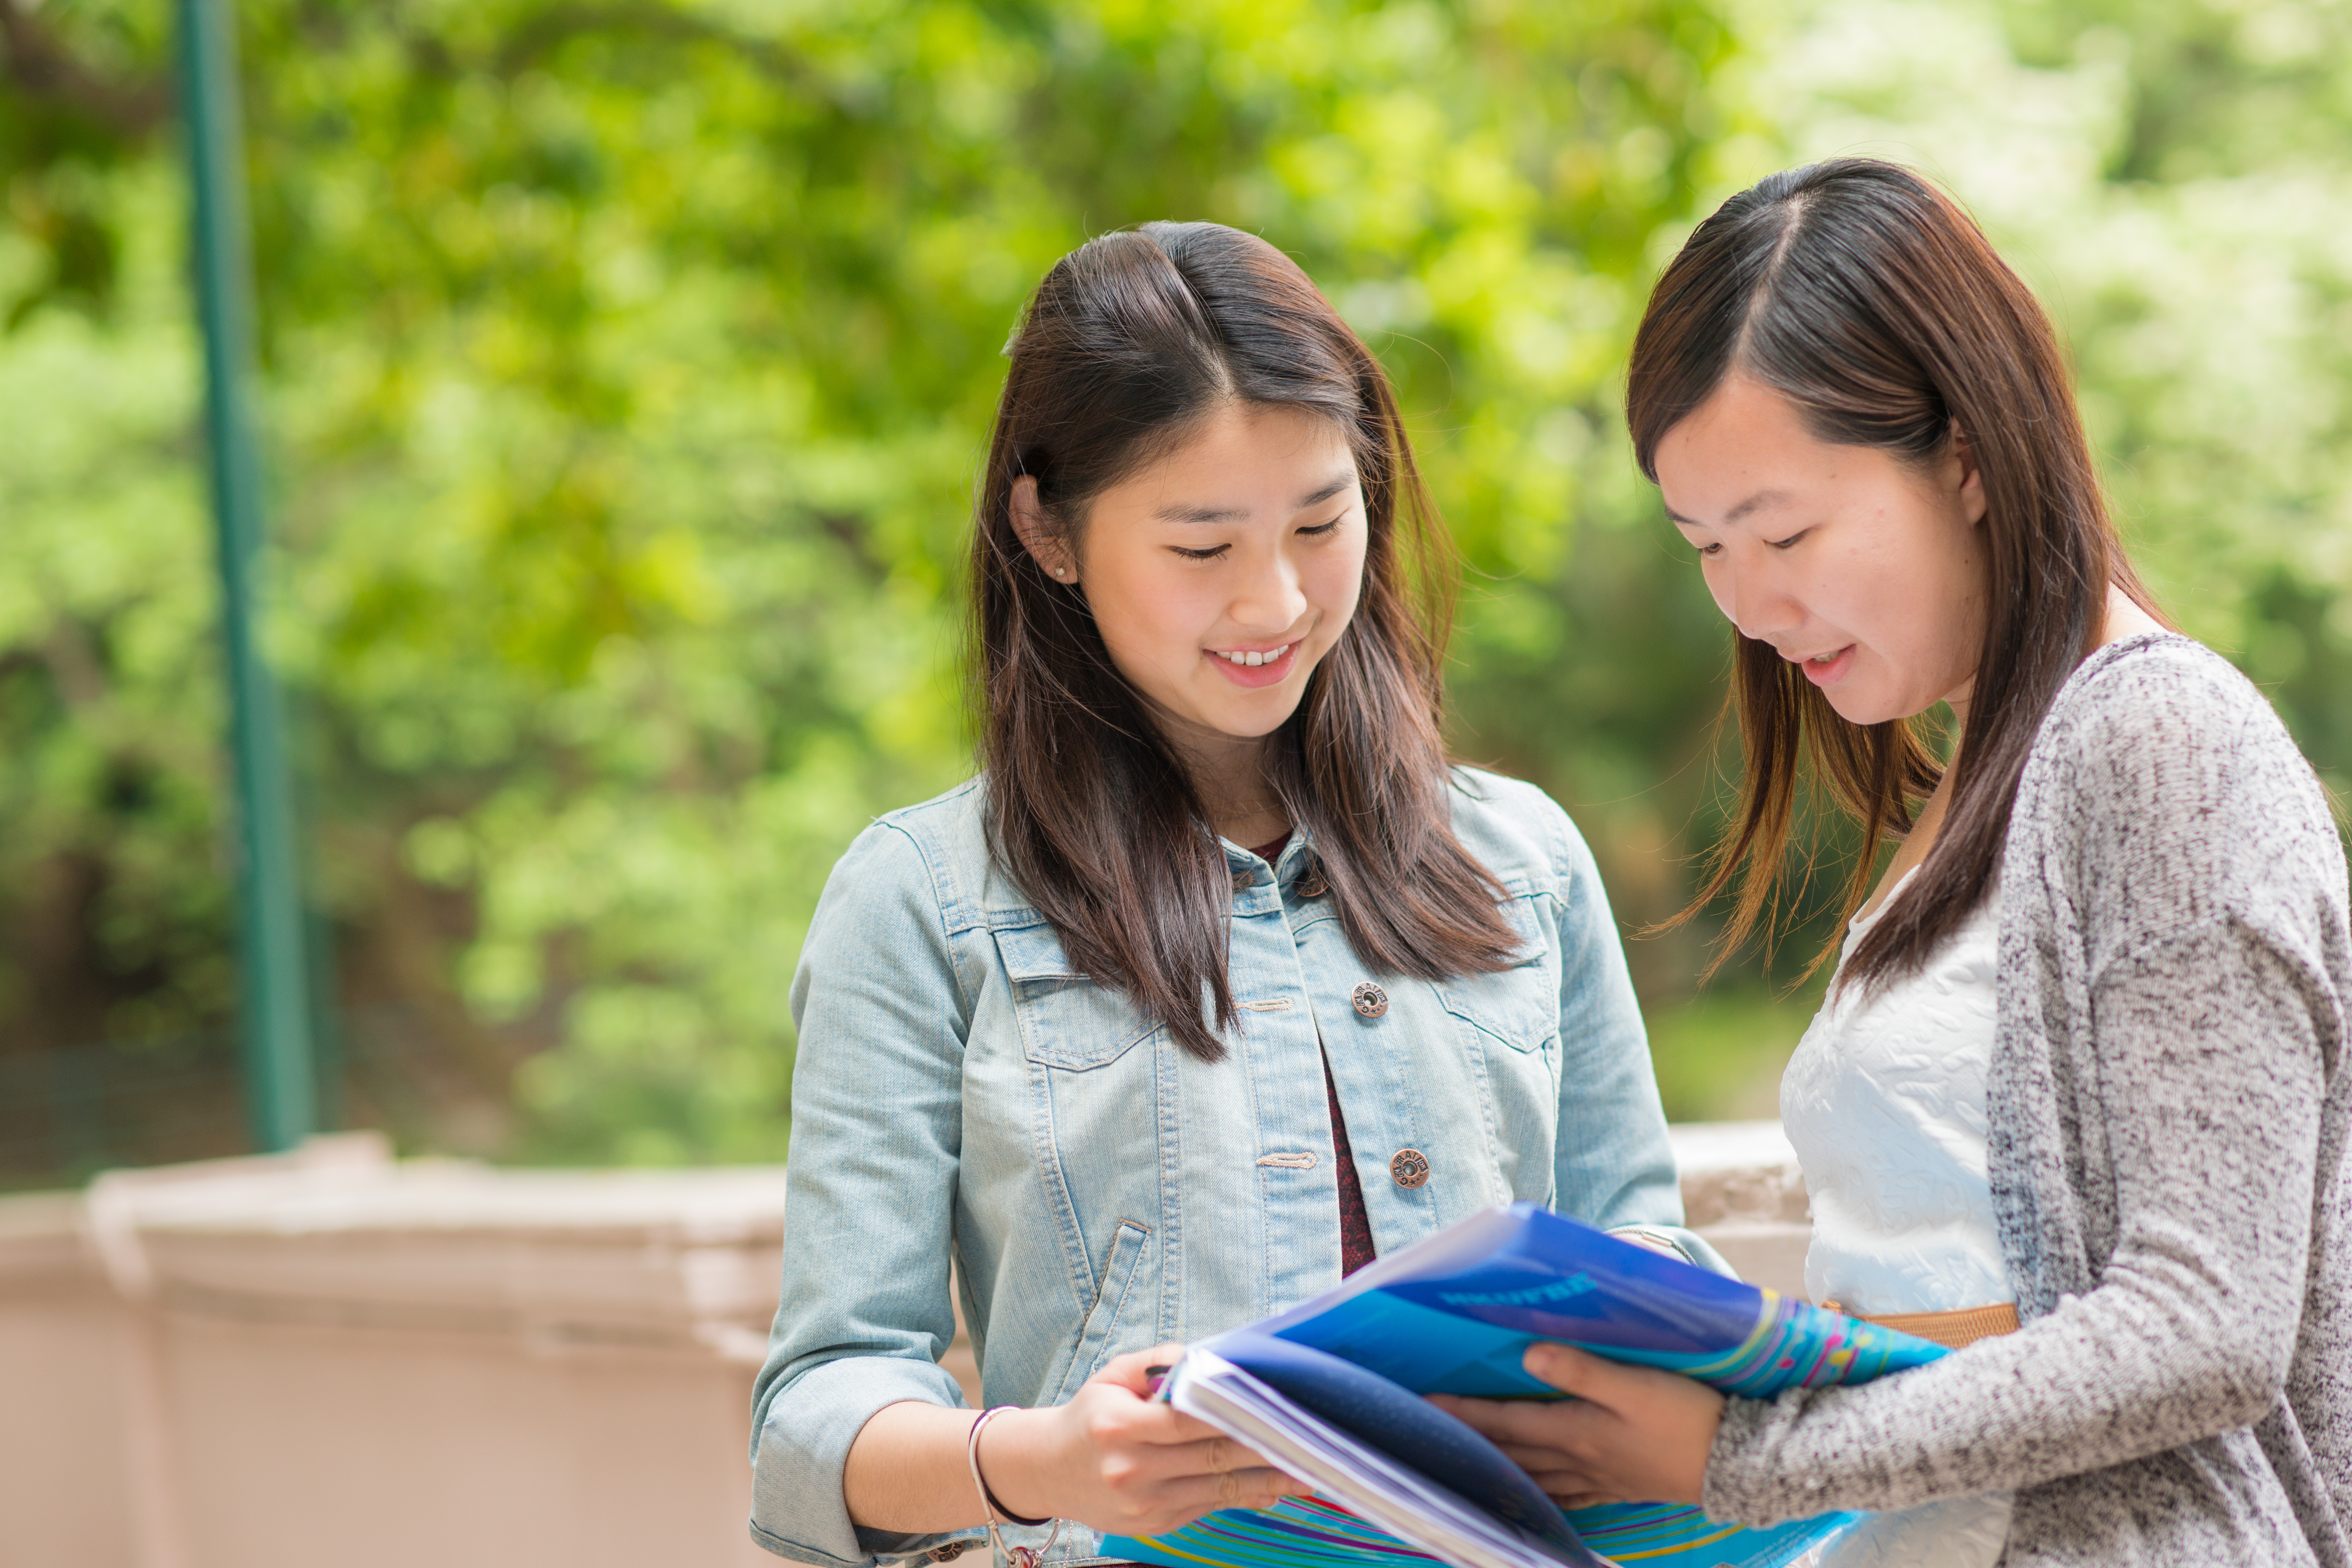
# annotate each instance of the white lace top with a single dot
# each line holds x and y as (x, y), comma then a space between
(1884, 1102)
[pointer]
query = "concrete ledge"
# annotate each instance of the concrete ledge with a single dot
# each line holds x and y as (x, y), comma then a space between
(244, 1363)
(224, 1365)
(1743, 1191)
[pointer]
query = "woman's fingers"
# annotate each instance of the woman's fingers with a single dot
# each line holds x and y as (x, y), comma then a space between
(1188, 1431)
(1181, 1483)
(1481, 1414)
(1628, 1432)
(1530, 1423)
(1150, 1460)
(1163, 1425)
(1584, 1374)
(1537, 1459)
(1133, 1371)
(1255, 1487)
(1215, 1455)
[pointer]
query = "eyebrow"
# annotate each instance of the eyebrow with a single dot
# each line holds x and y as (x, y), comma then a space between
(1760, 498)
(1237, 514)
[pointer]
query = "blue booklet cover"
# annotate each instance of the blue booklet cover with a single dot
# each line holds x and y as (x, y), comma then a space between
(1453, 1314)
(1406, 1428)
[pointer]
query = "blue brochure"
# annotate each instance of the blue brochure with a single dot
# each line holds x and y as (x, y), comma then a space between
(1405, 1426)
(1330, 1390)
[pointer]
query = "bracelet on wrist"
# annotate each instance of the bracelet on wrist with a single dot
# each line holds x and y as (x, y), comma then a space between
(993, 1506)
(988, 1497)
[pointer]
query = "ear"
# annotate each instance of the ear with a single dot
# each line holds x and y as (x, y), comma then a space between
(1038, 536)
(1972, 492)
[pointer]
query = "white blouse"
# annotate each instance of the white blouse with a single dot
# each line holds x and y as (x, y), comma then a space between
(1884, 1102)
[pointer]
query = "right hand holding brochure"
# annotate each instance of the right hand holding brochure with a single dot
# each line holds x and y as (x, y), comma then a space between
(1329, 1393)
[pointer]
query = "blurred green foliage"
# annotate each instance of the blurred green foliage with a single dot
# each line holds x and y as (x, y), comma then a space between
(628, 365)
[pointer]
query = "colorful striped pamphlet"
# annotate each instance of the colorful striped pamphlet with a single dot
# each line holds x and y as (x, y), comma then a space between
(1330, 1393)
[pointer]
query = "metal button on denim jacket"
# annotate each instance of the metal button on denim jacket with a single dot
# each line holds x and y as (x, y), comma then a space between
(962, 1091)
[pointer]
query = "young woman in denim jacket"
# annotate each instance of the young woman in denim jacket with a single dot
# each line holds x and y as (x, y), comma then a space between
(1220, 979)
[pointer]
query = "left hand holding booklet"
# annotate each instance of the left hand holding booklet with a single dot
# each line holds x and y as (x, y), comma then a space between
(1329, 1392)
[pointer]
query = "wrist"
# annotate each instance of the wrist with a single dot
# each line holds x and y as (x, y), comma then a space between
(1018, 1462)
(1714, 1440)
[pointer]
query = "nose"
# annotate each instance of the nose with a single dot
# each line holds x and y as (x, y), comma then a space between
(1268, 601)
(1753, 599)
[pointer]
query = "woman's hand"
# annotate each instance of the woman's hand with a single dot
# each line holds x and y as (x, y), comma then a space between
(1122, 1462)
(1633, 1434)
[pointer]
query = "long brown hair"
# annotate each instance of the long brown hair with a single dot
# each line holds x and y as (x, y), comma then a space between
(1869, 300)
(1131, 340)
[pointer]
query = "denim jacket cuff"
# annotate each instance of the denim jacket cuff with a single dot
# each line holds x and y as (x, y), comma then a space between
(797, 1508)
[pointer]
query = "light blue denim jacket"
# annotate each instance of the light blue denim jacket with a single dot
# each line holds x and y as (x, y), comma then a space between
(962, 1093)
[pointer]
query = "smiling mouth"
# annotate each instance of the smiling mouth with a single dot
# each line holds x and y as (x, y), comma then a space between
(1823, 668)
(1269, 656)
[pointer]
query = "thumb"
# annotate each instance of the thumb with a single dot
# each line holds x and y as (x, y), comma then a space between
(1138, 1372)
(1572, 1370)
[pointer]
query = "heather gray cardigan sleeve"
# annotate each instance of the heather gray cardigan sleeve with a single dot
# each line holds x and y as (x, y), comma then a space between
(2167, 1111)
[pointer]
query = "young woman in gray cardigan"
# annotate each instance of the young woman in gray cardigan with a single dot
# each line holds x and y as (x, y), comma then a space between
(2084, 1049)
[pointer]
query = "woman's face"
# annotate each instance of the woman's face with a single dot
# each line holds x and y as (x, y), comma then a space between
(1221, 574)
(1866, 570)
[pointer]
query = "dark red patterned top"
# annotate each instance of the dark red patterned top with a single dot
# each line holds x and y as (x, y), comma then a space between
(1355, 1220)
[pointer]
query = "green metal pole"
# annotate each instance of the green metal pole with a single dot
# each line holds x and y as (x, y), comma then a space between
(280, 1097)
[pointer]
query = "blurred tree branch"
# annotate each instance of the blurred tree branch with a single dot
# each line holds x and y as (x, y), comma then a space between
(35, 63)
(551, 28)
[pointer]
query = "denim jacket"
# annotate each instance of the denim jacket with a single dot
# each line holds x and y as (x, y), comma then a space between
(961, 1093)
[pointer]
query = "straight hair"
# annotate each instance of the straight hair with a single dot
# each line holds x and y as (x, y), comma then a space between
(1131, 341)
(1871, 302)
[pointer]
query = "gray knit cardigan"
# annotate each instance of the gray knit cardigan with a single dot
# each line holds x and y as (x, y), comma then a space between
(2168, 1110)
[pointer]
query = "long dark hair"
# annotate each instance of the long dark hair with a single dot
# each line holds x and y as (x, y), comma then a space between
(1128, 342)
(1869, 300)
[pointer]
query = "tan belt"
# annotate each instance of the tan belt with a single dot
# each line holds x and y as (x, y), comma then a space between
(1958, 1330)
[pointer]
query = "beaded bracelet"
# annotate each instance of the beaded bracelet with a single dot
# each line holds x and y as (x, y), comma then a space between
(1019, 1556)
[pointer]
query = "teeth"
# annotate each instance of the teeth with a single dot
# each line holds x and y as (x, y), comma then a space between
(1254, 659)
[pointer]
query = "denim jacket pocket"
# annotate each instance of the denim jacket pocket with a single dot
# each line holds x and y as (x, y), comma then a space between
(1099, 1337)
(1519, 1006)
(1066, 1020)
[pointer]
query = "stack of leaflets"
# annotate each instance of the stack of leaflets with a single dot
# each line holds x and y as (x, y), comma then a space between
(1329, 1392)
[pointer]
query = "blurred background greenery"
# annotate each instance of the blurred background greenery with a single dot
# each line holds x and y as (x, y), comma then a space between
(627, 366)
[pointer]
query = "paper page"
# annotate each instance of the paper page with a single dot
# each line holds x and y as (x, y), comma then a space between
(1368, 1482)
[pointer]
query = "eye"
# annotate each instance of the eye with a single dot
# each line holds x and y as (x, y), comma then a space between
(1785, 543)
(1209, 554)
(1324, 529)
(1709, 549)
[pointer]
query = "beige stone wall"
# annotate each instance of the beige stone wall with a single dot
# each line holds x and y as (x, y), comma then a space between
(65, 1499)
(336, 1358)
(1742, 1191)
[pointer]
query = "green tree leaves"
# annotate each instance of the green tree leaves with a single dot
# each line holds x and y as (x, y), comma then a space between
(629, 364)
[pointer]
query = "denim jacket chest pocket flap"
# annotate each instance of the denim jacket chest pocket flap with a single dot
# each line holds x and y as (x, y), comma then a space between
(1518, 1005)
(1066, 1020)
